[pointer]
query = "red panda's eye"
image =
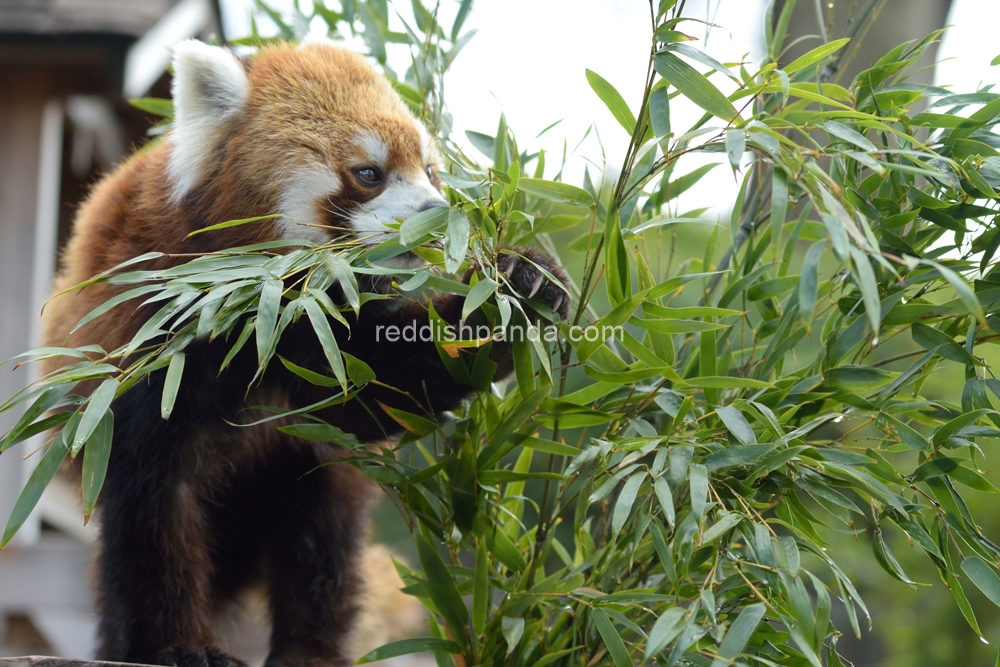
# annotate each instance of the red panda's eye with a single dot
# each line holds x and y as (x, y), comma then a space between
(430, 172)
(369, 176)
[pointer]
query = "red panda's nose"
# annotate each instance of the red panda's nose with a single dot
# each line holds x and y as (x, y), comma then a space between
(433, 203)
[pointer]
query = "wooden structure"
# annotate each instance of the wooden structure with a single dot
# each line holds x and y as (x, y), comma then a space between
(67, 69)
(43, 661)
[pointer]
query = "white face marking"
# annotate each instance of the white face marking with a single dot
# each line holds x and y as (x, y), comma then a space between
(209, 88)
(400, 199)
(374, 147)
(305, 192)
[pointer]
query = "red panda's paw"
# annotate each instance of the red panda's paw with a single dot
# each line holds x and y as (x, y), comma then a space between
(193, 657)
(526, 268)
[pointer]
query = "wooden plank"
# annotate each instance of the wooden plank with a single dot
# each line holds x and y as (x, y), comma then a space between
(44, 661)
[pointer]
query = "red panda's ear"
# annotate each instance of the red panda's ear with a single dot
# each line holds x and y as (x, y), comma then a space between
(209, 83)
(210, 88)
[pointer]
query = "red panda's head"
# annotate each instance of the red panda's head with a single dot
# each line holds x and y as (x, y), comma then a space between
(310, 131)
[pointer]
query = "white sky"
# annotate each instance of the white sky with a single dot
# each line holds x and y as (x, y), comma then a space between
(529, 58)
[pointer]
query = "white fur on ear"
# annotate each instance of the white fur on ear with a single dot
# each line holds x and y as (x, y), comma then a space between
(210, 87)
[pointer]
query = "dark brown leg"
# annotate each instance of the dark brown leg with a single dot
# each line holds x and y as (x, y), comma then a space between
(154, 560)
(320, 526)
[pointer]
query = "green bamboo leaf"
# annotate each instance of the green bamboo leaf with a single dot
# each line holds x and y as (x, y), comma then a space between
(984, 577)
(737, 425)
(237, 223)
(481, 590)
(845, 133)
(331, 350)
(114, 301)
(736, 146)
(961, 287)
(779, 204)
(456, 239)
(410, 646)
(953, 427)
(739, 634)
(415, 424)
(309, 376)
(727, 382)
(241, 341)
(786, 555)
(463, 12)
(962, 602)
(701, 57)
(608, 632)
(906, 434)
(869, 289)
(96, 454)
(626, 499)
(663, 494)
(478, 295)
(933, 468)
(321, 433)
(816, 55)
(626, 377)
(512, 629)
(858, 379)
(613, 100)
(549, 446)
(98, 404)
(442, 589)
(617, 269)
(937, 341)
(562, 193)
(347, 280)
(419, 225)
(40, 478)
(809, 282)
(769, 289)
(157, 106)
(551, 658)
(506, 551)
(659, 111)
(498, 438)
(359, 372)
(885, 558)
(698, 475)
(665, 630)
(171, 384)
(695, 87)
(867, 483)
(727, 521)
(47, 400)
(677, 326)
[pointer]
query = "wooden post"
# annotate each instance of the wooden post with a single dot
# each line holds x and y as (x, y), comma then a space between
(21, 113)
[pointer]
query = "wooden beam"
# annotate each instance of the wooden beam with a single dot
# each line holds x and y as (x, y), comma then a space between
(43, 661)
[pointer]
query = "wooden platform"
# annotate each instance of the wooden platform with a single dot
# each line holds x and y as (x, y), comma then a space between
(44, 661)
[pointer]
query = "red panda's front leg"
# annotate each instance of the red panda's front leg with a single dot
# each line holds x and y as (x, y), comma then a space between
(321, 527)
(154, 559)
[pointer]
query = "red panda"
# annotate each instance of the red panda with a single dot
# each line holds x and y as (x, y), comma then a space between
(195, 510)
